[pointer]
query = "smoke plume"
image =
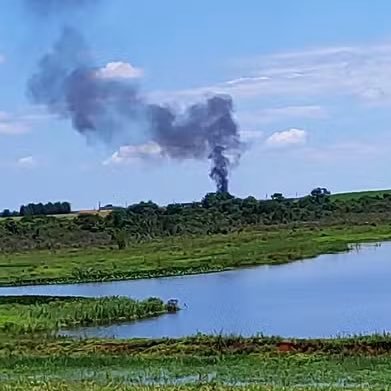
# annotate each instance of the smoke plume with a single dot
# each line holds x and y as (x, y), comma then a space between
(113, 109)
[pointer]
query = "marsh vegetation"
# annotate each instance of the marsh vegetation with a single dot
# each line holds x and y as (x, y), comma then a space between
(44, 314)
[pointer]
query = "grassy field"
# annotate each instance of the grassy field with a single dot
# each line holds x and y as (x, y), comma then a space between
(183, 255)
(205, 363)
(35, 314)
(93, 386)
(214, 363)
(72, 215)
(359, 194)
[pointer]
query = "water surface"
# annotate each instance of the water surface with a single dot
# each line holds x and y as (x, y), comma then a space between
(347, 293)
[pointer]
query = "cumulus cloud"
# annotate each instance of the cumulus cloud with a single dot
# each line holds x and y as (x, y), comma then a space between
(26, 162)
(131, 153)
(287, 138)
(119, 70)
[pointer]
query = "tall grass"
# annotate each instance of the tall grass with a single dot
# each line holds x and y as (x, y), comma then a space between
(73, 312)
(93, 386)
(129, 364)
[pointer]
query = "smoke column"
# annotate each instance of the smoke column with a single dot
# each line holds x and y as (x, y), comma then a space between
(71, 86)
(219, 172)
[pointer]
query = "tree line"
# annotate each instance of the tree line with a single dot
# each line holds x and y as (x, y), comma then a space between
(216, 213)
(40, 209)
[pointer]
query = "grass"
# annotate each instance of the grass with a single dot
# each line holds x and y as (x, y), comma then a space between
(93, 386)
(183, 255)
(359, 194)
(72, 215)
(34, 314)
(215, 363)
(195, 346)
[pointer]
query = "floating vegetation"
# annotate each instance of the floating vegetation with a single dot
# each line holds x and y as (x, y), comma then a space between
(35, 314)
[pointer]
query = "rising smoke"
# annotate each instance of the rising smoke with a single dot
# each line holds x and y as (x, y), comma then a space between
(69, 85)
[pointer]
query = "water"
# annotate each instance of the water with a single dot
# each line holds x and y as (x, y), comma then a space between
(348, 293)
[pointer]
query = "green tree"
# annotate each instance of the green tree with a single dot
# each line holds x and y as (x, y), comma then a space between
(6, 213)
(277, 197)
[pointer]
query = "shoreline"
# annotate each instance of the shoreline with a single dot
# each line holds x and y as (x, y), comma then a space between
(259, 248)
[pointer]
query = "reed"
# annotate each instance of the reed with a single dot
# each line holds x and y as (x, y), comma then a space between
(35, 315)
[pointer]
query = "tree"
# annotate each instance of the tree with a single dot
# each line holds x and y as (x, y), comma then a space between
(38, 209)
(277, 197)
(214, 199)
(121, 239)
(66, 208)
(320, 194)
(6, 213)
(320, 191)
(41, 209)
(118, 218)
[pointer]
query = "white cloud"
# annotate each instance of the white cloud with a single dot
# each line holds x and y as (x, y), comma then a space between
(10, 125)
(360, 71)
(287, 137)
(27, 162)
(132, 153)
(119, 70)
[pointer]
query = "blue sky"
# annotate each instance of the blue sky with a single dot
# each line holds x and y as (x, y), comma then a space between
(311, 82)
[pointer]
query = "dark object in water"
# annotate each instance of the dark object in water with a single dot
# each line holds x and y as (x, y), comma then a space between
(172, 305)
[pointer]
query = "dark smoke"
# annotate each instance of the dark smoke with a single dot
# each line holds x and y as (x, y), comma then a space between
(219, 172)
(69, 87)
(110, 110)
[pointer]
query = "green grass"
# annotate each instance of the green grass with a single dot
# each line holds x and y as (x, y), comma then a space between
(44, 385)
(198, 361)
(21, 315)
(183, 255)
(359, 194)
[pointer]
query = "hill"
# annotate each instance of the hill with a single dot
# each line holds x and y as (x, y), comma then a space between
(359, 194)
(216, 213)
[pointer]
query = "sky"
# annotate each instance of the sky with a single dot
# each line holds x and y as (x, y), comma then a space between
(310, 81)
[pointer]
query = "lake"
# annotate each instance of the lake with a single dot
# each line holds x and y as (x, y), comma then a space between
(346, 293)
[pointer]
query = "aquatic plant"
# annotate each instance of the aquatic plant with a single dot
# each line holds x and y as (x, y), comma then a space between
(40, 314)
